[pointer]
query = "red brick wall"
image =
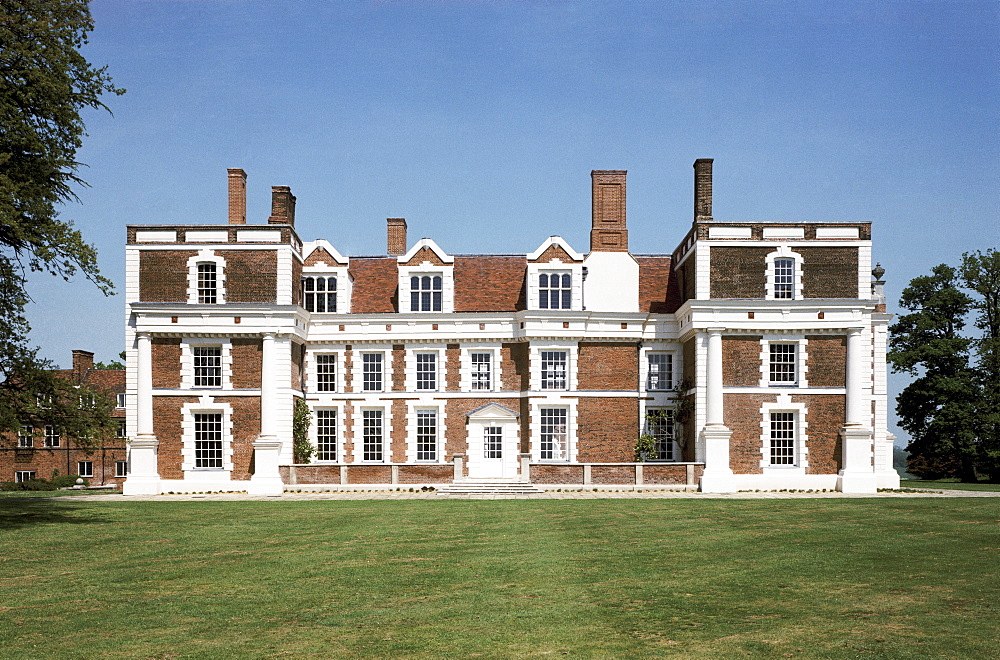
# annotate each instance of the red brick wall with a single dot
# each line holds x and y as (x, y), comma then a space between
(347, 433)
(297, 283)
(251, 275)
(453, 356)
(556, 474)
(826, 361)
(163, 275)
(247, 358)
(397, 431)
(426, 474)
(349, 369)
(399, 368)
(612, 474)
(664, 473)
(167, 420)
(298, 366)
(825, 417)
(829, 272)
(313, 474)
(607, 366)
(515, 366)
(607, 429)
(44, 461)
(688, 356)
(738, 272)
(742, 416)
(489, 284)
(741, 361)
(659, 292)
(165, 353)
(369, 474)
(687, 277)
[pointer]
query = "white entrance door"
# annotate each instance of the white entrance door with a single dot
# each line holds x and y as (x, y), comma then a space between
(492, 442)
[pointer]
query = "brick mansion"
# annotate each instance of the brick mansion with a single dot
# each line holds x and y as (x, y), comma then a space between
(753, 356)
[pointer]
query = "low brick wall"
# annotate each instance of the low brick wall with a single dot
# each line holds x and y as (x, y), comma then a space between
(612, 475)
(426, 474)
(543, 473)
(664, 473)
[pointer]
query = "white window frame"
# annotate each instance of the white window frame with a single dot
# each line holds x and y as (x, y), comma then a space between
(672, 448)
(359, 435)
(421, 415)
(535, 268)
(446, 270)
(535, 365)
(421, 279)
(85, 469)
(784, 404)
(563, 291)
(122, 430)
(121, 468)
(647, 374)
(205, 406)
(467, 380)
(362, 371)
(203, 257)
(337, 266)
(783, 252)
(25, 437)
(320, 360)
(538, 423)
(120, 400)
(52, 438)
(433, 374)
(20, 476)
(329, 413)
(327, 293)
(188, 344)
(801, 345)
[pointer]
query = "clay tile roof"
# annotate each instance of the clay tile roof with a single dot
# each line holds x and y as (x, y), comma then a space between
(489, 283)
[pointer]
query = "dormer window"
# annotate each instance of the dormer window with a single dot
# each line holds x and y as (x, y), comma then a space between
(425, 293)
(555, 290)
(207, 284)
(319, 294)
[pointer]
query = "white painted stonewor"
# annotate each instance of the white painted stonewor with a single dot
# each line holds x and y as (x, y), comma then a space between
(718, 476)
(858, 474)
(143, 477)
(266, 479)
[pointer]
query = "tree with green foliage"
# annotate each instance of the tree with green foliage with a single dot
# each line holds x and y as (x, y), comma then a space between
(45, 83)
(950, 408)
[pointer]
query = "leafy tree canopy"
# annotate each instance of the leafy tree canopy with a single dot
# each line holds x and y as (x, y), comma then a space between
(45, 83)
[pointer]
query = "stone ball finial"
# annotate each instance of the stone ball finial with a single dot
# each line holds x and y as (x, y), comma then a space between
(878, 271)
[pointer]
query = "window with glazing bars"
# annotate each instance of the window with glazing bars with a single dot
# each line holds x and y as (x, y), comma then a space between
(427, 435)
(555, 291)
(371, 364)
(481, 371)
(784, 278)
(121, 468)
(782, 438)
(326, 372)
(51, 436)
(207, 366)
(372, 435)
(207, 284)
(493, 442)
(25, 437)
(85, 468)
(121, 432)
(660, 371)
(425, 293)
(426, 371)
(783, 362)
(326, 435)
(553, 434)
(21, 476)
(319, 294)
(208, 440)
(553, 370)
(660, 425)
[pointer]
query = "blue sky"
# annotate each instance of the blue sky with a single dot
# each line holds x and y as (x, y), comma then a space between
(480, 121)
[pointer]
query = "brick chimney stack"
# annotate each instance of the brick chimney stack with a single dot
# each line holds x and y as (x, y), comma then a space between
(608, 232)
(237, 196)
(396, 236)
(83, 361)
(282, 206)
(703, 189)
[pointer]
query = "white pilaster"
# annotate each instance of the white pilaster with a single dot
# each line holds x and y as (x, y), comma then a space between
(718, 476)
(858, 473)
(143, 477)
(266, 479)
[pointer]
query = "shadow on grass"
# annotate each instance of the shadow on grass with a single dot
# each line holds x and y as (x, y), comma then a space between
(18, 513)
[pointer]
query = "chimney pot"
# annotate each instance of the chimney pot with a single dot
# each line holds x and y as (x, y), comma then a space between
(396, 236)
(703, 189)
(608, 231)
(237, 196)
(282, 206)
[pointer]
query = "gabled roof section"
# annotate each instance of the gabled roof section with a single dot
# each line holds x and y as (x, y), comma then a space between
(420, 246)
(493, 411)
(555, 247)
(321, 251)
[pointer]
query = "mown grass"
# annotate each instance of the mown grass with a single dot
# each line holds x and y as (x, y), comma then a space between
(901, 578)
(946, 484)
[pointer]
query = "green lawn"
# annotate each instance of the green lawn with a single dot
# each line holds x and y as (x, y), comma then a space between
(899, 578)
(952, 484)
